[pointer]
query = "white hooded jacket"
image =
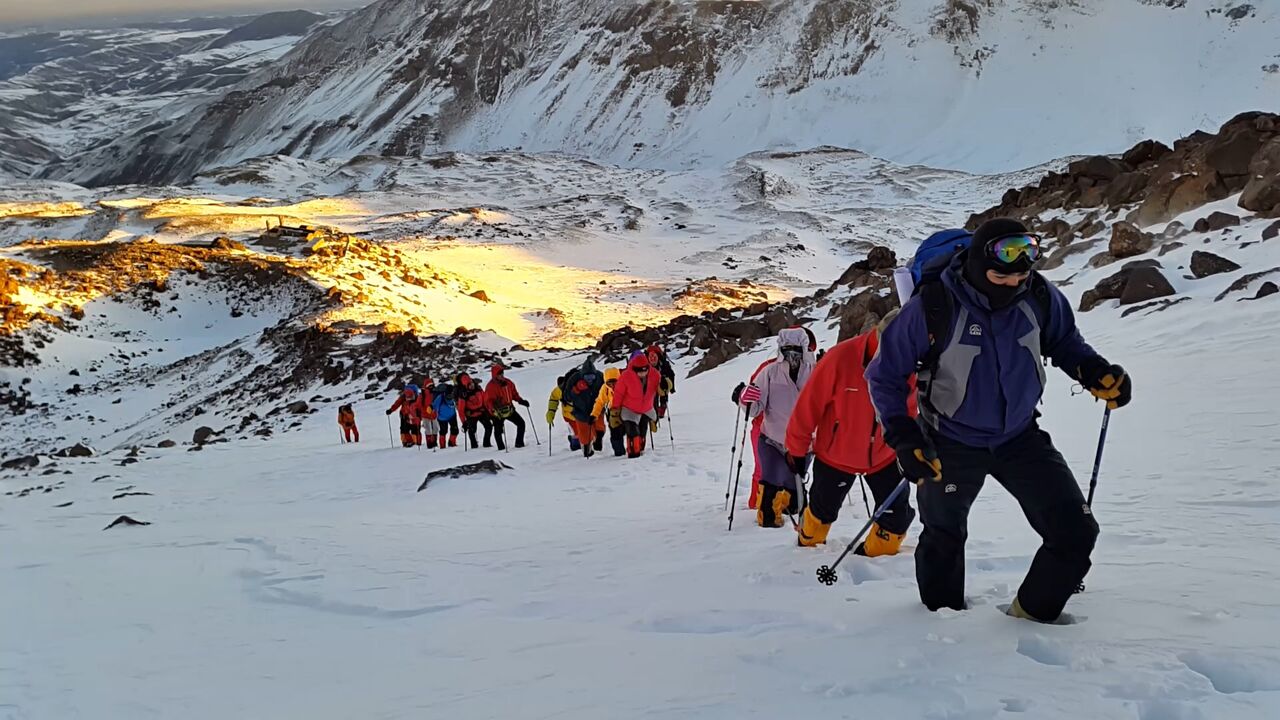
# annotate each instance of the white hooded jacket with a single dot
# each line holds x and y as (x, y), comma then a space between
(778, 392)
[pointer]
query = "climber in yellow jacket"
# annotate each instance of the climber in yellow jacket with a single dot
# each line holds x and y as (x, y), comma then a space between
(604, 403)
(566, 411)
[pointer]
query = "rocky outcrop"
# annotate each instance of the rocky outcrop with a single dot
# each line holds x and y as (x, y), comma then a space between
(1244, 155)
(1204, 264)
(1215, 221)
(1127, 240)
(1136, 282)
(1262, 192)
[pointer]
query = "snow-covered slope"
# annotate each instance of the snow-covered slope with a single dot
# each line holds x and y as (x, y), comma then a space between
(305, 578)
(983, 85)
(62, 92)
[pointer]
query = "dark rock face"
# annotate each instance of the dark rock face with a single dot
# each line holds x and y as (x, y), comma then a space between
(25, 462)
(1136, 282)
(202, 435)
(1216, 221)
(125, 520)
(1204, 264)
(488, 467)
(1127, 240)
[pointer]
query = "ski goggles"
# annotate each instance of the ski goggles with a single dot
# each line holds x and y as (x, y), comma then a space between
(1020, 250)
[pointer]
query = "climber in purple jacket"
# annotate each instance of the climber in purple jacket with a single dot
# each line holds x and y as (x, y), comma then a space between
(979, 384)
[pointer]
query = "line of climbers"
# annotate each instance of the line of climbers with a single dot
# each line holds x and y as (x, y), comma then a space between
(430, 412)
(943, 394)
(631, 402)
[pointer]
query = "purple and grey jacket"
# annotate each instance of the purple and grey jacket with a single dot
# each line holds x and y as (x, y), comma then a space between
(990, 377)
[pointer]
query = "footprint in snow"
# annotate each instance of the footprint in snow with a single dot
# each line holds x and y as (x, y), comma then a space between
(1232, 673)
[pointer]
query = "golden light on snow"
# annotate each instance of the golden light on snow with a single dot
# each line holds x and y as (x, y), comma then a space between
(430, 284)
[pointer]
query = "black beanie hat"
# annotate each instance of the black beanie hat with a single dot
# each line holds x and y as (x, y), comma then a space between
(979, 259)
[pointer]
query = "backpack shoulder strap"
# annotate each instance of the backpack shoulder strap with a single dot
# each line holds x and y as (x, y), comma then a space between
(1043, 303)
(938, 307)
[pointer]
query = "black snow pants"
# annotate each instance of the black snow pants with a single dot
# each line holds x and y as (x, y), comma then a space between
(499, 430)
(470, 425)
(831, 486)
(1033, 471)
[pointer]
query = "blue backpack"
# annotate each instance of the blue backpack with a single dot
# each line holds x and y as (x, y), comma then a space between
(935, 253)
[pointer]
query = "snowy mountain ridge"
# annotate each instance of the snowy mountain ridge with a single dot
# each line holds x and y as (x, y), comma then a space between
(993, 85)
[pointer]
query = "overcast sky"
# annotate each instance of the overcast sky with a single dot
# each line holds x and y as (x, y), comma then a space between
(28, 11)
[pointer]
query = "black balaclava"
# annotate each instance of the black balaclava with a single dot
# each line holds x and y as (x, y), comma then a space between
(978, 262)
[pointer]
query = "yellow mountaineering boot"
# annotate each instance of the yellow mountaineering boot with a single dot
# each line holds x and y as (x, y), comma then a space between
(880, 542)
(1015, 610)
(813, 532)
(781, 502)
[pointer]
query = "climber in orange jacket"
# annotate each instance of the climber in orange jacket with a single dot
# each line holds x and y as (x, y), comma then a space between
(501, 397)
(834, 419)
(409, 403)
(347, 421)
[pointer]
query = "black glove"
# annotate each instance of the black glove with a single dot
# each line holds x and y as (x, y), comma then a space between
(916, 459)
(523, 402)
(390, 411)
(737, 392)
(1106, 382)
(798, 465)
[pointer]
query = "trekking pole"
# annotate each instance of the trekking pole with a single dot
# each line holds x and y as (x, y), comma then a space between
(391, 434)
(342, 439)
(1097, 459)
(862, 480)
(741, 456)
(671, 432)
(653, 443)
(550, 427)
(1097, 464)
(827, 575)
(534, 426)
(733, 448)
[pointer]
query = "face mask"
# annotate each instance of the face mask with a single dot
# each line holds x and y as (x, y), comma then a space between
(998, 296)
(794, 357)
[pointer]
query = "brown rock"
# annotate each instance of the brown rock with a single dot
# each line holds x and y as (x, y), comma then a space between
(1127, 240)
(1271, 231)
(1179, 195)
(1113, 286)
(881, 258)
(481, 295)
(1204, 264)
(1125, 189)
(1215, 221)
(1055, 228)
(749, 330)
(1231, 153)
(166, 444)
(1168, 248)
(1145, 283)
(1268, 288)
(202, 435)
(1262, 193)
(720, 353)
(1097, 167)
(862, 312)
(1243, 282)
(1144, 152)
(125, 520)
